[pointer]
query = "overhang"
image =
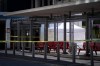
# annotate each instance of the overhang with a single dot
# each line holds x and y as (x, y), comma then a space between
(58, 9)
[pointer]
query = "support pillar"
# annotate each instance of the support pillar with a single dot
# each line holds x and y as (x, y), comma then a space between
(54, 31)
(22, 39)
(37, 3)
(14, 38)
(14, 34)
(33, 49)
(87, 36)
(58, 46)
(46, 39)
(91, 37)
(72, 44)
(64, 35)
(18, 34)
(30, 34)
(7, 44)
(23, 46)
(32, 44)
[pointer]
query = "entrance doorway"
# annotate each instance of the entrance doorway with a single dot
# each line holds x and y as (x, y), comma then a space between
(2, 34)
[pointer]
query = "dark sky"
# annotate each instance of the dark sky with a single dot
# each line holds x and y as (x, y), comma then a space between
(14, 5)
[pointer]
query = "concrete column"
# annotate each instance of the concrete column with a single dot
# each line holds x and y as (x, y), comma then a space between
(22, 43)
(8, 32)
(33, 49)
(32, 38)
(87, 35)
(91, 37)
(32, 44)
(45, 39)
(22, 39)
(18, 34)
(64, 35)
(56, 39)
(54, 31)
(14, 43)
(72, 44)
(30, 34)
(36, 3)
(7, 44)
(58, 46)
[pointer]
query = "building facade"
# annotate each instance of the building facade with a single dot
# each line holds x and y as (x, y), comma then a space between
(38, 12)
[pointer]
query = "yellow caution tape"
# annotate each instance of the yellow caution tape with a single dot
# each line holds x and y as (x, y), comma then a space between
(4, 41)
(23, 37)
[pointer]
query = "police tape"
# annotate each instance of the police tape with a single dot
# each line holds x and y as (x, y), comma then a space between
(24, 37)
(15, 41)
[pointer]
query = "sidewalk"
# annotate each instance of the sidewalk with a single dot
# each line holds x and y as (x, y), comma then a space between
(64, 57)
(18, 60)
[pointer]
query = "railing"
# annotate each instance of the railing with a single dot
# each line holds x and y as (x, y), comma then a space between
(40, 47)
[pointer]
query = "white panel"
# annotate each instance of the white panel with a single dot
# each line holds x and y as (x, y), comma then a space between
(42, 32)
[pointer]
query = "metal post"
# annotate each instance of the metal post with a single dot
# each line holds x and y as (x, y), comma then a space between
(32, 45)
(5, 48)
(64, 45)
(22, 39)
(23, 46)
(13, 37)
(13, 48)
(18, 34)
(87, 36)
(91, 37)
(72, 46)
(33, 49)
(54, 31)
(14, 43)
(7, 43)
(30, 34)
(91, 50)
(72, 41)
(45, 39)
(58, 47)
